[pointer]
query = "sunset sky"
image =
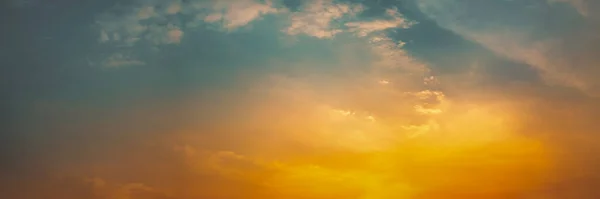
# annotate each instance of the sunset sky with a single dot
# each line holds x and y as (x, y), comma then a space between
(300, 99)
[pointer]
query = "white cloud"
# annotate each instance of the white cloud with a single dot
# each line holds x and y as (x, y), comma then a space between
(144, 22)
(390, 54)
(239, 13)
(364, 28)
(318, 18)
(429, 95)
(119, 60)
(161, 34)
(322, 19)
(383, 82)
(230, 15)
(128, 28)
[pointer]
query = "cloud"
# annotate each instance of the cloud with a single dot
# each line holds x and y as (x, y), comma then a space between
(146, 12)
(562, 58)
(170, 34)
(319, 18)
(175, 35)
(103, 36)
(174, 8)
(325, 19)
(391, 55)
(136, 24)
(120, 60)
(580, 5)
(159, 23)
(235, 14)
(364, 28)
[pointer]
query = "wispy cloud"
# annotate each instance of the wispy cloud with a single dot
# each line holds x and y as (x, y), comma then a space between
(364, 28)
(120, 60)
(562, 58)
(320, 18)
(235, 14)
(165, 23)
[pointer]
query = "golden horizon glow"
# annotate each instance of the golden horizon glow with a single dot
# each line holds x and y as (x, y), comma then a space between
(466, 149)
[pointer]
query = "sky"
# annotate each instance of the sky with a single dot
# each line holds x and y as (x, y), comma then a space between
(300, 99)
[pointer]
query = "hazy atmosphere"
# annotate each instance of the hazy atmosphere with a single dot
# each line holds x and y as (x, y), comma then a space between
(300, 99)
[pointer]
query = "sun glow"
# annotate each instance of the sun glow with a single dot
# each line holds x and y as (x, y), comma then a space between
(466, 151)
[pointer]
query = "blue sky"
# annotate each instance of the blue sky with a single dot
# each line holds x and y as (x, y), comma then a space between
(94, 89)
